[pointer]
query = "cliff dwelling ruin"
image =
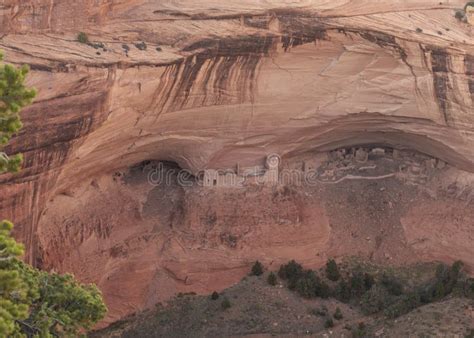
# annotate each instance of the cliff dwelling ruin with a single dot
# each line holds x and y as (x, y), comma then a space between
(285, 131)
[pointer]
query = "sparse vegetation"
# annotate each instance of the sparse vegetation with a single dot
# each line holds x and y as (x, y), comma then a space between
(369, 281)
(392, 285)
(225, 304)
(375, 300)
(459, 15)
(444, 283)
(322, 311)
(338, 314)
(274, 311)
(332, 270)
(360, 331)
(257, 269)
(306, 285)
(141, 45)
(343, 291)
(328, 323)
(215, 295)
(290, 272)
(83, 38)
(419, 30)
(309, 285)
(357, 283)
(467, 288)
(385, 294)
(272, 279)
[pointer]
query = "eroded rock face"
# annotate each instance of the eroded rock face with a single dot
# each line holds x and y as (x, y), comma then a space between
(143, 243)
(215, 84)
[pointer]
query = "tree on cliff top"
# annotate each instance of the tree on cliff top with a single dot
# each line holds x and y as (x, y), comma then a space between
(13, 97)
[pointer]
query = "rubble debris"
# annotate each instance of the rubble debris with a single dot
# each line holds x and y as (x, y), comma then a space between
(361, 155)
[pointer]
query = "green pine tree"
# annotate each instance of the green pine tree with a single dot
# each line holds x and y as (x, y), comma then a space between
(257, 269)
(13, 97)
(14, 292)
(332, 270)
(34, 303)
(272, 279)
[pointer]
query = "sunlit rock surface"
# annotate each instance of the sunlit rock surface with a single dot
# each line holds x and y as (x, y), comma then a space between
(212, 84)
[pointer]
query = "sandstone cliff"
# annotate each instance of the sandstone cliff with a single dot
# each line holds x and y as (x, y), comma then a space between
(214, 83)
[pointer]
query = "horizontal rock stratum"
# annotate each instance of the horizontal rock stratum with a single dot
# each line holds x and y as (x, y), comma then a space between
(209, 84)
